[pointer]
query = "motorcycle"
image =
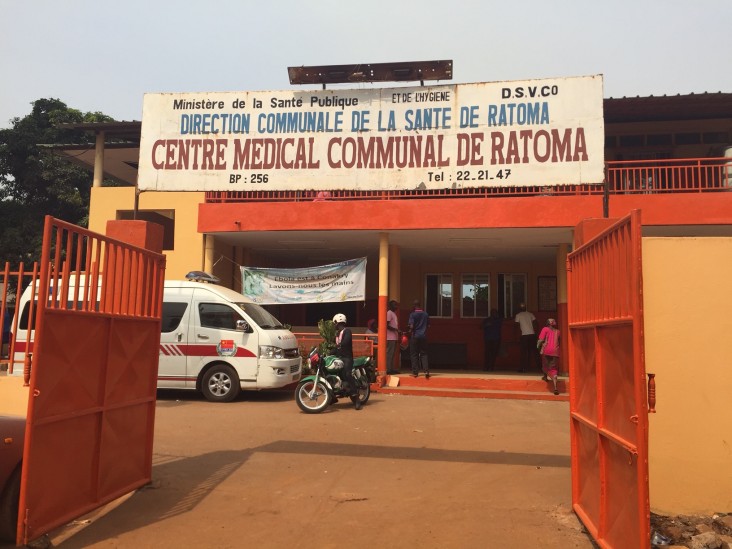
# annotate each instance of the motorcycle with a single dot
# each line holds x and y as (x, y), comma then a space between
(316, 392)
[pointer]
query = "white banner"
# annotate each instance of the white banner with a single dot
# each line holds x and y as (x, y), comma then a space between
(532, 132)
(344, 281)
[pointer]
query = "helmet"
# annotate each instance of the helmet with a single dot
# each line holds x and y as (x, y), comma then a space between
(404, 343)
(340, 318)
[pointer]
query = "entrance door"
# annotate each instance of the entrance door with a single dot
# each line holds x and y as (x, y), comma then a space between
(608, 407)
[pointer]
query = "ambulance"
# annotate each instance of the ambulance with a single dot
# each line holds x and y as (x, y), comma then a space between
(213, 340)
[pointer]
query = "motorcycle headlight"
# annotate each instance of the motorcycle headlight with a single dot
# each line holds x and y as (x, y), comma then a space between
(268, 351)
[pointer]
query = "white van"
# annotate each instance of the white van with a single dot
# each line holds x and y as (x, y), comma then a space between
(212, 340)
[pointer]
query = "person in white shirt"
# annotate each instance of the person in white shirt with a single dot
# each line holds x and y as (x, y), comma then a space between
(527, 344)
(392, 337)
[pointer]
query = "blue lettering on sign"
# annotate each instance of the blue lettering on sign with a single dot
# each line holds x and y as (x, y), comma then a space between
(521, 114)
(427, 119)
(214, 123)
(300, 122)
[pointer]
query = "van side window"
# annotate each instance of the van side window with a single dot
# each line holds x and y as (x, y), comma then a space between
(217, 315)
(172, 314)
(23, 321)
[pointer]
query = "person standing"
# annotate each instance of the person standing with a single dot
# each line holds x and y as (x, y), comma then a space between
(372, 330)
(419, 321)
(527, 344)
(344, 351)
(491, 338)
(549, 345)
(392, 337)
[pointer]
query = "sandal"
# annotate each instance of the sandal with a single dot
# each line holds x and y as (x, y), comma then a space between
(556, 391)
(544, 378)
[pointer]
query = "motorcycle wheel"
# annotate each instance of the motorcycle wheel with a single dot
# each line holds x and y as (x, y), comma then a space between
(364, 390)
(312, 398)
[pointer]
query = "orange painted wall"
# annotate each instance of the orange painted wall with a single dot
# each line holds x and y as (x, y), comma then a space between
(687, 299)
(466, 213)
(187, 254)
(676, 209)
(385, 215)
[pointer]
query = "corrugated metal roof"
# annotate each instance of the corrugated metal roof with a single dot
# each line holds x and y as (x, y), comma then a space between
(120, 130)
(692, 106)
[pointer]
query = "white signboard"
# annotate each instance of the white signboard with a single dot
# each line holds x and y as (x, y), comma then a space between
(344, 281)
(534, 132)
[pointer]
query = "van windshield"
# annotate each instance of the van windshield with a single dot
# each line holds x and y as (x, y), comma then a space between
(260, 316)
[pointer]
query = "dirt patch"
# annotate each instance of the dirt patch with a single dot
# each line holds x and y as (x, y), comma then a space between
(694, 531)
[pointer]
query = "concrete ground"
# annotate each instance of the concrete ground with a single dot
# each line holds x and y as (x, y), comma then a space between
(403, 472)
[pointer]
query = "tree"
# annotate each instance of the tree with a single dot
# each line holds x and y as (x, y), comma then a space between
(35, 182)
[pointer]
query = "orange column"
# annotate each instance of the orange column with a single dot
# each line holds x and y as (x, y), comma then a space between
(562, 252)
(383, 299)
(395, 280)
(208, 253)
(395, 284)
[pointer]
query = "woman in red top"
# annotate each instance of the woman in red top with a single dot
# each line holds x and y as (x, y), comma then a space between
(549, 344)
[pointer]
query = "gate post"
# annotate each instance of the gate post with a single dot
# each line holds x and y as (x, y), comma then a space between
(142, 234)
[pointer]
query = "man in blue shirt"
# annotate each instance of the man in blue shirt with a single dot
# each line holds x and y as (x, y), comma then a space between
(419, 321)
(492, 338)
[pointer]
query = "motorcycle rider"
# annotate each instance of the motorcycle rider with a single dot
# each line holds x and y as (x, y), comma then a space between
(344, 350)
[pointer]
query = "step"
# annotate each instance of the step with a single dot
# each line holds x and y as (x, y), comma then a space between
(445, 380)
(468, 393)
(519, 387)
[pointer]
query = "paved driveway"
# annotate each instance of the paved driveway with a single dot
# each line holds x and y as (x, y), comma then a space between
(403, 472)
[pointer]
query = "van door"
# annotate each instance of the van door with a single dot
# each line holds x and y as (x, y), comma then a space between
(172, 365)
(215, 336)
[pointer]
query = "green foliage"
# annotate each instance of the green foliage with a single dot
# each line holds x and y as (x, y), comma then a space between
(35, 182)
(328, 333)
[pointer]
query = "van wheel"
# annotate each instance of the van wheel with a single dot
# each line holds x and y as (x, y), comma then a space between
(220, 384)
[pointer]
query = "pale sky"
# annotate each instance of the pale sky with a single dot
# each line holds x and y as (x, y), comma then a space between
(99, 55)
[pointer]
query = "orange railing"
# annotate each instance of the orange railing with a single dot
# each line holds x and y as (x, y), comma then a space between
(362, 345)
(621, 177)
(669, 176)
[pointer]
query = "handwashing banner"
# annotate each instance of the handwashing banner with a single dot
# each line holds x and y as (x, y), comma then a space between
(344, 281)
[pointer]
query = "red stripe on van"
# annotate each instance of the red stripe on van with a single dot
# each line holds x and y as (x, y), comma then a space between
(202, 350)
(169, 349)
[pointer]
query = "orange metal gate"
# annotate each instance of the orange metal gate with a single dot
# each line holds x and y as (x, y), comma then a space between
(608, 409)
(89, 430)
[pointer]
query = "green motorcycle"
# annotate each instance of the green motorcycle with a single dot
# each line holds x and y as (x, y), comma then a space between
(316, 392)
